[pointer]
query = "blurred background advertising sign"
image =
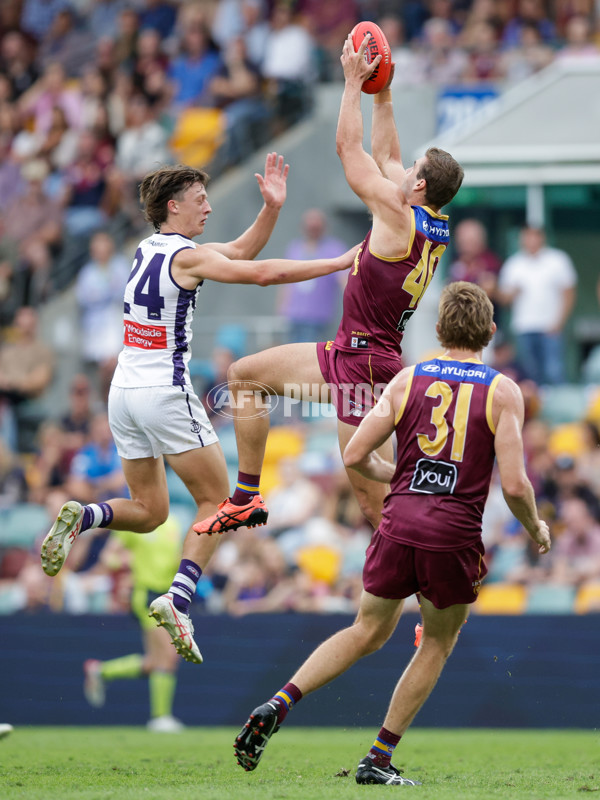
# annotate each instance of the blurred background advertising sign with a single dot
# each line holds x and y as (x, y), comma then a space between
(456, 104)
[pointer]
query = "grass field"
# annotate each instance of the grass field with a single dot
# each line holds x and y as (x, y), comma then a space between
(89, 763)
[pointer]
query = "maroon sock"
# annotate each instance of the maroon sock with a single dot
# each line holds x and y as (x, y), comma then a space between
(285, 698)
(245, 488)
(382, 749)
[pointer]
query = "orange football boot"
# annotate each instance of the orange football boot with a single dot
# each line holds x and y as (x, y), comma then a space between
(418, 633)
(230, 517)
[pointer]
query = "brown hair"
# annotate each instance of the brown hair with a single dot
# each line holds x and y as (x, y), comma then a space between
(165, 184)
(444, 176)
(465, 317)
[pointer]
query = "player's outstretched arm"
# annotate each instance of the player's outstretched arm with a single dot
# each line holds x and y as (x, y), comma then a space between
(273, 187)
(206, 263)
(381, 195)
(385, 143)
(508, 414)
(360, 452)
(359, 166)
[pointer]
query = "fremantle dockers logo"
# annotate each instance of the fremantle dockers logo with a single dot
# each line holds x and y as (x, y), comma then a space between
(434, 477)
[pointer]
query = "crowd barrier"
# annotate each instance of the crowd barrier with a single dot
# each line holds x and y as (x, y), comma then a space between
(518, 671)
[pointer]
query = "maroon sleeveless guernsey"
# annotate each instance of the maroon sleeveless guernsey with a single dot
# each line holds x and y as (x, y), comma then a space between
(445, 437)
(382, 294)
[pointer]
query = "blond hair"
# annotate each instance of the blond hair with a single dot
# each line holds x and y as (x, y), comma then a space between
(465, 318)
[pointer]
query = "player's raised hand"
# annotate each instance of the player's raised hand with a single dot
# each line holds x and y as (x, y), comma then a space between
(354, 63)
(273, 185)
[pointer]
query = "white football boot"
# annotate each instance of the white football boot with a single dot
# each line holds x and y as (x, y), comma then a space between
(178, 625)
(62, 535)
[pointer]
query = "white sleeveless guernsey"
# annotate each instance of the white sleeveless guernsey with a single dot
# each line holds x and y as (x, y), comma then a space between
(157, 318)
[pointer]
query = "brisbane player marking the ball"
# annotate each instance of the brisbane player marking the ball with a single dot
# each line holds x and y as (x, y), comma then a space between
(392, 270)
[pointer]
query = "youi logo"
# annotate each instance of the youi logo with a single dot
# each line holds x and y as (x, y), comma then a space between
(434, 477)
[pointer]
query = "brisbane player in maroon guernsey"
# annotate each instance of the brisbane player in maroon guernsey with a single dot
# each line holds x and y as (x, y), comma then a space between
(391, 272)
(452, 416)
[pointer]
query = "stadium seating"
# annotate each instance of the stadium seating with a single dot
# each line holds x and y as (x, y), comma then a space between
(198, 135)
(321, 562)
(561, 404)
(22, 524)
(588, 598)
(502, 598)
(550, 599)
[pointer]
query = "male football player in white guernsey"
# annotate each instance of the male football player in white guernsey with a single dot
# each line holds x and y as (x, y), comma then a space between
(153, 410)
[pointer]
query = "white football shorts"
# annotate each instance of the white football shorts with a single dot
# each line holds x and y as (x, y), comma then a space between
(156, 420)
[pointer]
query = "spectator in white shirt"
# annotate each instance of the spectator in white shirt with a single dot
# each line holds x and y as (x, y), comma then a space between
(539, 284)
(143, 143)
(288, 65)
(99, 290)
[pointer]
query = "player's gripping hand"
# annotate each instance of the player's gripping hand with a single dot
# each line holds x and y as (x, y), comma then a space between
(356, 68)
(542, 537)
(273, 185)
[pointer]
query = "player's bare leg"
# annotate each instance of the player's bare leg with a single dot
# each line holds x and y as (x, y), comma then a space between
(369, 494)
(203, 470)
(439, 636)
(440, 631)
(290, 370)
(144, 512)
(204, 473)
(376, 621)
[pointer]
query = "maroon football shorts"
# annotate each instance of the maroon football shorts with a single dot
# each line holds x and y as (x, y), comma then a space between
(445, 577)
(356, 381)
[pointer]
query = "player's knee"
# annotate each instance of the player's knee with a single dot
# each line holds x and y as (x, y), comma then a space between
(160, 518)
(443, 644)
(374, 637)
(153, 519)
(236, 371)
(241, 370)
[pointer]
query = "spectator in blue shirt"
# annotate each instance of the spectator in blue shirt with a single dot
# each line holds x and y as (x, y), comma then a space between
(103, 20)
(38, 15)
(159, 16)
(193, 70)
(96, 472)
(529, 12)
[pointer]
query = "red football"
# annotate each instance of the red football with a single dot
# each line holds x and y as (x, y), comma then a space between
(377, 45)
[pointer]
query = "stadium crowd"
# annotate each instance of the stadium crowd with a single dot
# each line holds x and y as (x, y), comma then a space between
(95, 93)
(309, 556)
